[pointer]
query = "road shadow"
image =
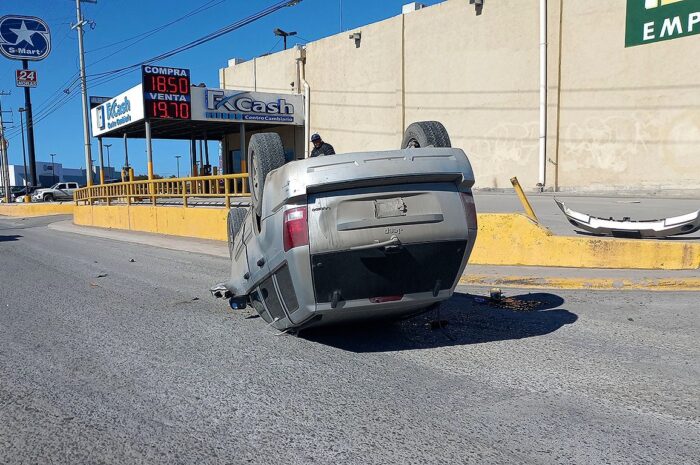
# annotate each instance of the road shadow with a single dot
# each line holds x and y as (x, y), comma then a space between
(470, 319)
(9, 237)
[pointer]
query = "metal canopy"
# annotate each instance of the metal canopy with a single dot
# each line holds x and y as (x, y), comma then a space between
(183, 129)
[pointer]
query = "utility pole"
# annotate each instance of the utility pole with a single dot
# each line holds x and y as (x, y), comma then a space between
(24, 154)
(86, 109)
(3, 156)
(107, 146)
(53, 167)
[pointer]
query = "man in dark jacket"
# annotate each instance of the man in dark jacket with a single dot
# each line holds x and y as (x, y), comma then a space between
(321, 148)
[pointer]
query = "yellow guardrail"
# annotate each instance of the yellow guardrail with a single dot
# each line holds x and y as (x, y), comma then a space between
(220, 186)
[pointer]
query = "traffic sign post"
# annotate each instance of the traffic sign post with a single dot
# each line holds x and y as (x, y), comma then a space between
(26, 38)
(30, 130)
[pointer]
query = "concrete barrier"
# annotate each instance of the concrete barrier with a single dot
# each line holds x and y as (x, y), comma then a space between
(504, 239)
(513, 239)
(36, 209)
(199, 222)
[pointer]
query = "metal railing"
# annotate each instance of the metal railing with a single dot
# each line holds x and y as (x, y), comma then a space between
(220, 186)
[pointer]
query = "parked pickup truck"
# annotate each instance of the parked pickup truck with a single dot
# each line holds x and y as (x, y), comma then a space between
(351, 236)
(59, 191)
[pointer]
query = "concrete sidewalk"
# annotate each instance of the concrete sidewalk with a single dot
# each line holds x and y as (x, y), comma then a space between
(474, 275)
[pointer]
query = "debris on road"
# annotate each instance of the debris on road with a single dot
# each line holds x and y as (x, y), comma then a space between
(632, 229)
(497, 300)
(101, 275)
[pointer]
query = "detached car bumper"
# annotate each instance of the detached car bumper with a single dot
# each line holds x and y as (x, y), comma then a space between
(626, 227)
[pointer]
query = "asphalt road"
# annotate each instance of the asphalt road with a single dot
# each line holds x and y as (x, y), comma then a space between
(105, 360)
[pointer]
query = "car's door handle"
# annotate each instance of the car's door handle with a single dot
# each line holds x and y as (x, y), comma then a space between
(394, 241)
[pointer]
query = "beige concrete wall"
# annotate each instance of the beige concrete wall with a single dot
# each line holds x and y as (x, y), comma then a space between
(628, 118)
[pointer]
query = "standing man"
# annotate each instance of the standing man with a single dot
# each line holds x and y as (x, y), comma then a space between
(321, 148)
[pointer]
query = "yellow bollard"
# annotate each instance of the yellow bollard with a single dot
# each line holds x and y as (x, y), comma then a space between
(523, 200)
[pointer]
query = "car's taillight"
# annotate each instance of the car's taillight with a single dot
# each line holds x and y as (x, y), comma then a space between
(296, 229)
(469, 209)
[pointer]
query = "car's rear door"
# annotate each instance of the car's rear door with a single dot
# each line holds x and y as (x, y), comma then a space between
(386, 241)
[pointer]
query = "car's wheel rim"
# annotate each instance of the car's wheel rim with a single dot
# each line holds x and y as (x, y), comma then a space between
(413, 144)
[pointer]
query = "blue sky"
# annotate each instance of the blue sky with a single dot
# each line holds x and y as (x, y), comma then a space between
(115, 20)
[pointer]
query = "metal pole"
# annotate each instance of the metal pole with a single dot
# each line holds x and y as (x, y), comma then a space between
(193, 158)
(4, 158)
(201, 158)
(83, 85)
(107, 146)
(543, 96)
(24, 154)
(177, 160)
(30, 130)
(523, 200)
(244, 155)
(149, 149)
(53, 167)
(126, 154)
(206, 149)
(102, 164)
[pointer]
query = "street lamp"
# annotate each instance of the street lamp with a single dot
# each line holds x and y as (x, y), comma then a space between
(24, 155)
(53, 167)
(107, 146)
(177, 159)
(284, 34)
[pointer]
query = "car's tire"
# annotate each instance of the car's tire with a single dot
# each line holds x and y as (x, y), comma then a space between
(265, 153)
(48, 198)
(234, 222)
(424, 134)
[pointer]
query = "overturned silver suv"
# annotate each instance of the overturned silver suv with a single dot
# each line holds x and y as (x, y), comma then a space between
(351, 236)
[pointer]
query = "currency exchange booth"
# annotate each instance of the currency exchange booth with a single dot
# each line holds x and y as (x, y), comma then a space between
(165, 105)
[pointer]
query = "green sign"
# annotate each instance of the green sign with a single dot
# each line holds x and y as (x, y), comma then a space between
(655, 20)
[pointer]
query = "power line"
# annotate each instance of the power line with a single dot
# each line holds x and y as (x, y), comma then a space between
(208, 5)
(99, 79)
(49, 102)
(209, 37)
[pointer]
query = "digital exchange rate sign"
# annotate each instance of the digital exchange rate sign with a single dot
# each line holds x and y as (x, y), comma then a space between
(166, 92)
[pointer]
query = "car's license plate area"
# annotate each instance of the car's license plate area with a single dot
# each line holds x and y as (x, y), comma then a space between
(366, 274)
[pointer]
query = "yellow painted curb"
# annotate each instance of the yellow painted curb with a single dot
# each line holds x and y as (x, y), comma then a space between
(513, 239)
(599, 284)
(503, 239)
(199, 222)
(36, 209)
